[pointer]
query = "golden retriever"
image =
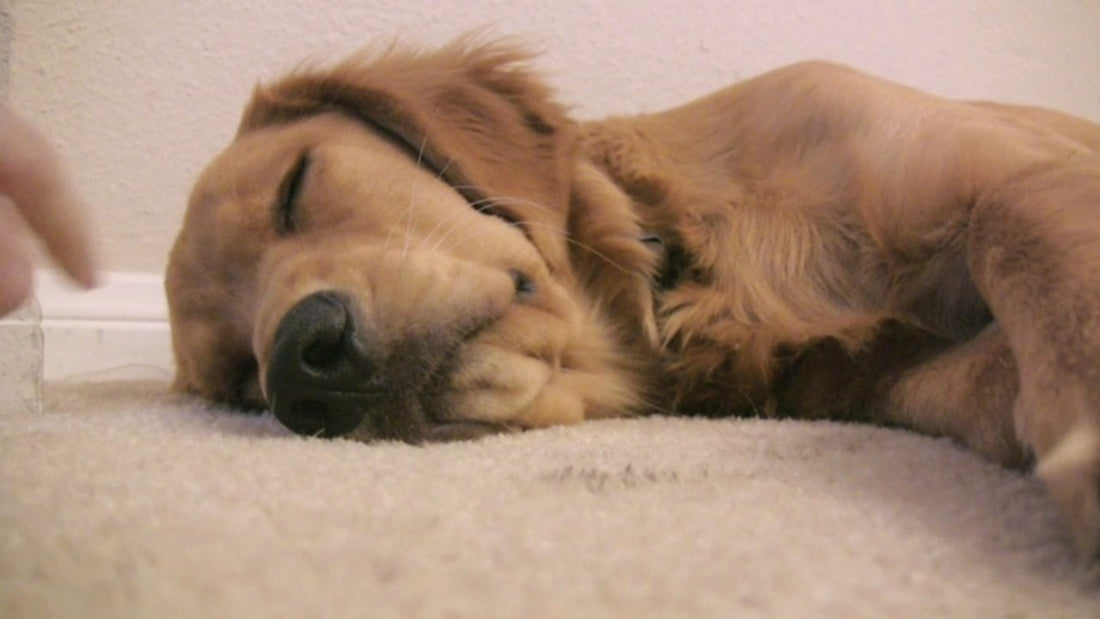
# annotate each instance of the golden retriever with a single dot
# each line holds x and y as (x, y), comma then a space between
(424, 246)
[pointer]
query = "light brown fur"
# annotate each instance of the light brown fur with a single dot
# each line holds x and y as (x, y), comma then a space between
(813, 242)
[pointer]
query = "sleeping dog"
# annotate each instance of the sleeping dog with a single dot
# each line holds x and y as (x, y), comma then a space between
(424, 246)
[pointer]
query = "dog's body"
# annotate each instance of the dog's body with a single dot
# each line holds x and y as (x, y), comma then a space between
(423, 246)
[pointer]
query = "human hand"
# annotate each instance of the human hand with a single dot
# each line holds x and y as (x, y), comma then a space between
(38, 199)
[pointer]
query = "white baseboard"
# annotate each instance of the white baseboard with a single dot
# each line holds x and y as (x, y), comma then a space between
(119, 330)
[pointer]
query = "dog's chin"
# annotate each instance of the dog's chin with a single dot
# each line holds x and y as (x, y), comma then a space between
(412, 419)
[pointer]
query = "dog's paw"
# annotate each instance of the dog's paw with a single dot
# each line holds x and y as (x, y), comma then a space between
(1072, 474)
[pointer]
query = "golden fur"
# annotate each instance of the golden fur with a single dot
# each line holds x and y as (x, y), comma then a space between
(424, 246)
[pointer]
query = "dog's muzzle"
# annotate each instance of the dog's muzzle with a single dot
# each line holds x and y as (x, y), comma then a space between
(320, 374)
(328, 375)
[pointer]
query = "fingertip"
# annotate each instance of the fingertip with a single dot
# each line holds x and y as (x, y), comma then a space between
(70, 240)
(89, 279)
(81, 268)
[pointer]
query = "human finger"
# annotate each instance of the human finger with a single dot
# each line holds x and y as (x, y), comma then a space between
(31, 176)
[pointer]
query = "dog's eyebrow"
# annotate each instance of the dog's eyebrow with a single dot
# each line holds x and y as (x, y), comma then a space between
(449, 173)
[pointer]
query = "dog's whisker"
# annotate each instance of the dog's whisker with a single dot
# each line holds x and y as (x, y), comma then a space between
(480, 206)
(584, 246)
(443, 170)
(389, 237)
(453, 220)
(471, 237)
(409, 219)
(588, 248)
(440, 176)
(486, 204)
(410, 222)
(508, 200)
(443, 237)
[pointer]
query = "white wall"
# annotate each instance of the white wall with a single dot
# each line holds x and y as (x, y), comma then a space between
(138, 94)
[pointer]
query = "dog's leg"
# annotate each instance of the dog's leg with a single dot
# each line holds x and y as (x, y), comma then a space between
(1034, 250)
(966, 393)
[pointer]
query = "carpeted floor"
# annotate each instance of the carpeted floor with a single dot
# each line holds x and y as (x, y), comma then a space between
(120, 501)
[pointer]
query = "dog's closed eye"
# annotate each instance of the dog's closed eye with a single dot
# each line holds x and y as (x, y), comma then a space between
(289, 194)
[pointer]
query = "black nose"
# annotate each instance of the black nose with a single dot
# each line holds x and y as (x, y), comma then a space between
(319, 375)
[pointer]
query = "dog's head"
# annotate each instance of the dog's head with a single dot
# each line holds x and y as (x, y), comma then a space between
(382, 253)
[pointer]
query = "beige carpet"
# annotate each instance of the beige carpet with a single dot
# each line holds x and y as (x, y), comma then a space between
(123, 502)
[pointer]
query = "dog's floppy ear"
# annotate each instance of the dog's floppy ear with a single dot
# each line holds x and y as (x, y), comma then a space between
(470, 111)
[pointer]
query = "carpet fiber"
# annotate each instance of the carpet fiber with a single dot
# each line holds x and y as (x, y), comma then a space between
(120, 501)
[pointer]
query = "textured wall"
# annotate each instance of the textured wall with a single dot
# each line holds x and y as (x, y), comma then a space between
(6, 28)
(138, 94)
